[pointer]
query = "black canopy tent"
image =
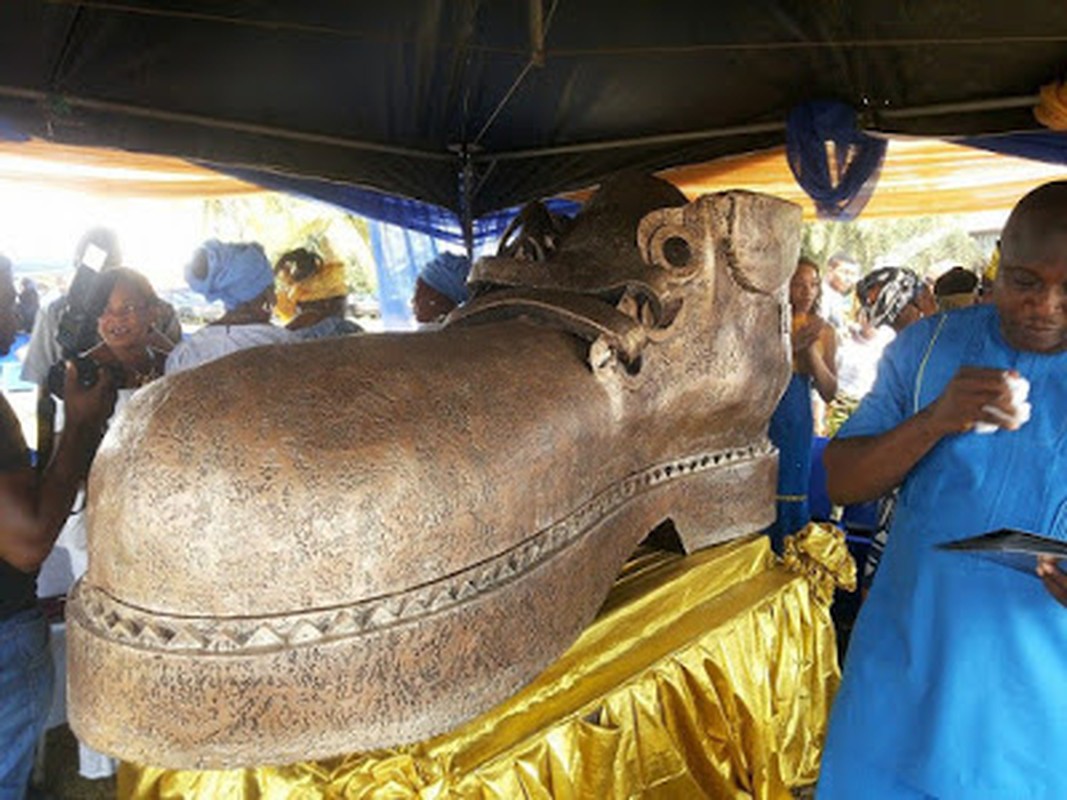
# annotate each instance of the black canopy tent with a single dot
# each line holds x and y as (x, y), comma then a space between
(477, 106)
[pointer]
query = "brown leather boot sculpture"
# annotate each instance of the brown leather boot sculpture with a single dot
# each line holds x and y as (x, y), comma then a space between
(308, 550)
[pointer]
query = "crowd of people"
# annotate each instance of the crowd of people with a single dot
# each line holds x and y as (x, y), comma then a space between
(89, 351)
(948, 688)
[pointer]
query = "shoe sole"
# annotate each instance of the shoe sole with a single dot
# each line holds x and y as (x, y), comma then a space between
(285, 688)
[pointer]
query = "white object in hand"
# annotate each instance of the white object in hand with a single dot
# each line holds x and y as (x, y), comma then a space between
(1020, 390)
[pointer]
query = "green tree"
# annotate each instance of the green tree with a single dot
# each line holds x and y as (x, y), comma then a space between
(280, 222)
(927, 244)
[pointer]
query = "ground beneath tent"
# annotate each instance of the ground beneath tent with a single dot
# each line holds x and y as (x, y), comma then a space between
(61, 780)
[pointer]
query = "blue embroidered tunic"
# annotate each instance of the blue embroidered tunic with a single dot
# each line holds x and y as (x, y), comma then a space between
(954, 686)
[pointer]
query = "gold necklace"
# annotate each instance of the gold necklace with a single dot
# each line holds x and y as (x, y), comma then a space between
(141, 377)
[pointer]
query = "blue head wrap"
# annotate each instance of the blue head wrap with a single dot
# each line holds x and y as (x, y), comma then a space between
(447, 273)
(236, 272)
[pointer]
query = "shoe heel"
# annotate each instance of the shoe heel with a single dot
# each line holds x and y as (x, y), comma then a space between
(734, 498)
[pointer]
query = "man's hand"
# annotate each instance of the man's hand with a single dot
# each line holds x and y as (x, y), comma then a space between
(88, 408)
(1054, 578)
(862, 468)
(32, 510)
(962, 404)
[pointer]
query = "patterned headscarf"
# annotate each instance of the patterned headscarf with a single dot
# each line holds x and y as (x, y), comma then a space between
(304, 277)
(231, 272)
(885, 292)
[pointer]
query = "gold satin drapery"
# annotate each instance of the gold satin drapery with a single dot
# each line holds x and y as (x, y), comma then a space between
(109, 171)
(704, 676)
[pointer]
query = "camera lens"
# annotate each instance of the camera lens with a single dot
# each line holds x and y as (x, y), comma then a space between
(87, 370)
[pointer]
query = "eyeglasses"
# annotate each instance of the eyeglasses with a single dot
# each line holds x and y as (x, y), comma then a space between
(123, 311)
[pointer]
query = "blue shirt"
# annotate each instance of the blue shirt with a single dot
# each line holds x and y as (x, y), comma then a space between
(954, 679)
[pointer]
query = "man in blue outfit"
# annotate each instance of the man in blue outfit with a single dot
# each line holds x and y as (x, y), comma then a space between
(33, 508)
(952, 686)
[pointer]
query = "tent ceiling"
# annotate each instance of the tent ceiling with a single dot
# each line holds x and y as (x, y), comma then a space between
(544, 97)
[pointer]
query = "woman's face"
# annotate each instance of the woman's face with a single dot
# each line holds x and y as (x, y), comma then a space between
(804, 289)
(429, 304)
(126, 319)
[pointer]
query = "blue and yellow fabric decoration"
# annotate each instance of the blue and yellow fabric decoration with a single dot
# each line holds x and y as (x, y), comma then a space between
(840, 184)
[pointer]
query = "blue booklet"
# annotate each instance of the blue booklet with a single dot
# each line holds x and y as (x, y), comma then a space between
(1012, 548)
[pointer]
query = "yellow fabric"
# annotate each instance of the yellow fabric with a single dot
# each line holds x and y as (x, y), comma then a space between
(917, 177)
(704, 676)
(990, 272)
(112, 172)
(284, 308)
(328, 281)
(837, 411)
(818, 552)
(1051, 110)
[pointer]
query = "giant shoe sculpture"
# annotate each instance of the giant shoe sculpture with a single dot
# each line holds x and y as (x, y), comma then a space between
(315, 549)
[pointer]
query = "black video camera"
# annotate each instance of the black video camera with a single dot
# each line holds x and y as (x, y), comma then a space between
(76, 331)
(88, 374)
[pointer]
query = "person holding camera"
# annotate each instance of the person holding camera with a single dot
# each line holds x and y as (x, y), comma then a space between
(66, 326)
(33, 509)
(129, 345)
(128, 356)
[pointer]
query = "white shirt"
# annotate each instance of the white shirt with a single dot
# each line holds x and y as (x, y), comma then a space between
(857, 360)
(215, 341)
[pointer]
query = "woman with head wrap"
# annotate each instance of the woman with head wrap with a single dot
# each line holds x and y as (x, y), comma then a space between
(239, 275)
(440, 287)
(895, 296)
(312, 295)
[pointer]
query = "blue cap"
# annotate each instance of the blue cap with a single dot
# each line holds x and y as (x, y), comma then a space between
(447, 273)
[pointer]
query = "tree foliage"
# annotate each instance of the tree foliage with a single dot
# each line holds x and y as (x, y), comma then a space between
(280, 222)
(928, 245)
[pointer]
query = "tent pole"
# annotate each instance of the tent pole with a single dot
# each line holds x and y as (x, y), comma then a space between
(537, 34)
(222, 124)
(968, 107)
(965, 107)
(466, 200)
